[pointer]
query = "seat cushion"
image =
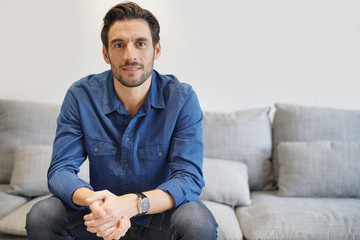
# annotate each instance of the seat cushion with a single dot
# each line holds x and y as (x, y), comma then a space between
(274, 217)
(11, 237)
(9, 202)
(228, 226)
(14, 223)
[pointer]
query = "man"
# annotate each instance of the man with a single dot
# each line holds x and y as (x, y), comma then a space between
(142, 134)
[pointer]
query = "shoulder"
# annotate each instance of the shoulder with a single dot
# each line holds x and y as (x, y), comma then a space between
(92, 81)
(172, 87)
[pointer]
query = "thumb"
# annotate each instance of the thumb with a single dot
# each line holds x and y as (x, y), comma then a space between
(97, 196)
(96, 209)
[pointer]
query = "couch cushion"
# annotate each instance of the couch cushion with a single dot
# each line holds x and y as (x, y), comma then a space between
(33, 181)
(228, 226)
(14, 223)
(11, 237)
(225, 182)
(6, 188)
(293, 123)
(319, 169)
(24, 123)
(243, 136)
(273, 217)
(9, 202)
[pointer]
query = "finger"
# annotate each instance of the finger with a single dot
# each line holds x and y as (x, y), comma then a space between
(124, 225)
(97, 210)
(117, 234)
(101, 228)
(106, 233)
(89, 217)
(96, 222)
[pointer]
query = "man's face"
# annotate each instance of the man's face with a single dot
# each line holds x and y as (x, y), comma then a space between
(131, 52)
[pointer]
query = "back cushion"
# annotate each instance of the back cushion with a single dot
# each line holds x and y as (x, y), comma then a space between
(22, 124)
(243, 136)
(293, 123)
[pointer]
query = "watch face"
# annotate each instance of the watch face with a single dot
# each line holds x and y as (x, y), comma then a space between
(145, 205)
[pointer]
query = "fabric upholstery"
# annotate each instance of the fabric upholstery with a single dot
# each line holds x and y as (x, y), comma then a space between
(293, 123)
(319, 169)
(14, 223)
(24, 123)
(30, 169)
(273, 217)
(225, 182)
(243, 136)
(6, 188)
(29, 177)
(228, 226)
(9, 202)
(11, 237)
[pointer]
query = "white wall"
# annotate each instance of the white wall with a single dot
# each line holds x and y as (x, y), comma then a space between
(236, 54)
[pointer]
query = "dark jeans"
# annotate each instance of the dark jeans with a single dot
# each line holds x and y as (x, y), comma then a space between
(53, 219)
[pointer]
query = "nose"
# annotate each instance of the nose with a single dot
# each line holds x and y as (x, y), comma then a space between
(130, 53)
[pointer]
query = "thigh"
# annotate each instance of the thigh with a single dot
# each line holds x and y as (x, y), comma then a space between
(192, 220)
(53, 219)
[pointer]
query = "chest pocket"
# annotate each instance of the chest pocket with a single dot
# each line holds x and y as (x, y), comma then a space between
(96, 147)
(153, 152)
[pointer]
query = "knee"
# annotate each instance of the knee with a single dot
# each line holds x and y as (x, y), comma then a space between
(44, 214)
(196, 221)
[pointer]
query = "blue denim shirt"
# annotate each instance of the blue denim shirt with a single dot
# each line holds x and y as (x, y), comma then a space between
(159, 148)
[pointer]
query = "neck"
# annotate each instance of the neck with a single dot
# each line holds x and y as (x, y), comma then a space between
(132, 98)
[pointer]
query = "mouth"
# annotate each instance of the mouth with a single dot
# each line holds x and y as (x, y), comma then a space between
(131, 68)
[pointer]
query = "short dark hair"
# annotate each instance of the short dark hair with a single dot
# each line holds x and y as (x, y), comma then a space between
(128, 11)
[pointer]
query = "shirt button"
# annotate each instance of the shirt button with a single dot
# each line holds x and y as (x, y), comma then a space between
(127, 139)
(96, 149)
(126, 165)
(160, 154)
(126, 185)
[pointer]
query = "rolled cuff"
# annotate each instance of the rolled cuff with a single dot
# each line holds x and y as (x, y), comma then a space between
(63, 185)
(180, 195)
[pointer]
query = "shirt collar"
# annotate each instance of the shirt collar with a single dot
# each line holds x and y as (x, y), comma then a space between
(154, 98)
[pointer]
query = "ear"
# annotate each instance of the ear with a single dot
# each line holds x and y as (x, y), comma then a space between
(157, 51)
(106, 55)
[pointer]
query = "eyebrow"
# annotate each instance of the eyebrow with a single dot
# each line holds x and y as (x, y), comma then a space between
(143, 39)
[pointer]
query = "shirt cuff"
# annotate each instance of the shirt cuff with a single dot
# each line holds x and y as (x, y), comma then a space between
(173, 188)
(63, 184)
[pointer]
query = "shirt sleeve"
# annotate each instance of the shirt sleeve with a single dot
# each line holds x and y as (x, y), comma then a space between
(68, 153)
(186, 154)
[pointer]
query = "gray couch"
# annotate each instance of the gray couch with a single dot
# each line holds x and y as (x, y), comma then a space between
(295, 177)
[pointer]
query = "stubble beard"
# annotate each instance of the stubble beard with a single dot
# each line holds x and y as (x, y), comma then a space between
(131, 83)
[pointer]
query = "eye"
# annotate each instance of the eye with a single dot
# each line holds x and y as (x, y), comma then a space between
(118, 45)
(141, 44)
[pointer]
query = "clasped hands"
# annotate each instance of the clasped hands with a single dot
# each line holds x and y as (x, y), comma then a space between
(110, 214)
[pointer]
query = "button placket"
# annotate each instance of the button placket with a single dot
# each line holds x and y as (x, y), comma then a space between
(127, 155)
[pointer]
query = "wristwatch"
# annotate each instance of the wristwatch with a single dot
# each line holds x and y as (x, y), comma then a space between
(144, 204)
